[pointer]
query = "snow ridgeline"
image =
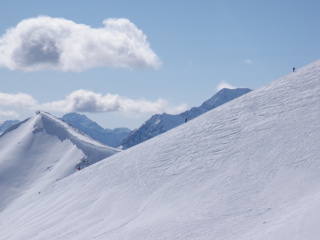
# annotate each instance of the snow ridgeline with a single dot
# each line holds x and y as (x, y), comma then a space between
(109, 137)
(40, 151)
(160, 123)
(246, 170)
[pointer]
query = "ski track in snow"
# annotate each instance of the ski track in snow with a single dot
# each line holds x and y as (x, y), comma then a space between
(247, 170)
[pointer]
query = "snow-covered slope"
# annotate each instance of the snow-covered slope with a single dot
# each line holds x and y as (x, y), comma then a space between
(249, 169)
(161, 123)
(41, 150)
(5, 125)
(110, 137)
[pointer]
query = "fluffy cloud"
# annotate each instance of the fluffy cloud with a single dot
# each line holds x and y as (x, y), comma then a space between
(19, 100)
(11, 102)
(60, 44)
(224, 84)
(8, 115)
(88, 101)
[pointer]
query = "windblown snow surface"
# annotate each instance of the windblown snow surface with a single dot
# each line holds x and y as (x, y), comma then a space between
(249, 169)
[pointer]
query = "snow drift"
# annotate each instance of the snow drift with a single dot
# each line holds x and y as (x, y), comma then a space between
(247, 170)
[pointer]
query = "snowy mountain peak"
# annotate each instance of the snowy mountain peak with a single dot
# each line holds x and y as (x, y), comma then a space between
(44, 121)
(42, 150)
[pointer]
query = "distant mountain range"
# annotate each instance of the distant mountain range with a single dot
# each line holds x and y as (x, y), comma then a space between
(110, 137)
(161, 123)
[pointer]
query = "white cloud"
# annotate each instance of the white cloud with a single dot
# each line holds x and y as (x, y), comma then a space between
(88, 101)
(19, 100)
(8, 114)
(60, 44)
(224, 84)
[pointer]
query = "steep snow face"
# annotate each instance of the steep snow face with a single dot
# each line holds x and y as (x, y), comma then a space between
(247, 170)
(159, 124)
(112, 138)
(5, 125)
(40, 151)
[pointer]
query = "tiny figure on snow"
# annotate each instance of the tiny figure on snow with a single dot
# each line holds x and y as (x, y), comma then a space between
(186, 120)
(294, 69)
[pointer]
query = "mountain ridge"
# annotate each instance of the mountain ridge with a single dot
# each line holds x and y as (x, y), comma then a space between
(110, 137)
(160, 123)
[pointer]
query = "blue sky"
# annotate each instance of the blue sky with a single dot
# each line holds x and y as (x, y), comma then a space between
(158, 56)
